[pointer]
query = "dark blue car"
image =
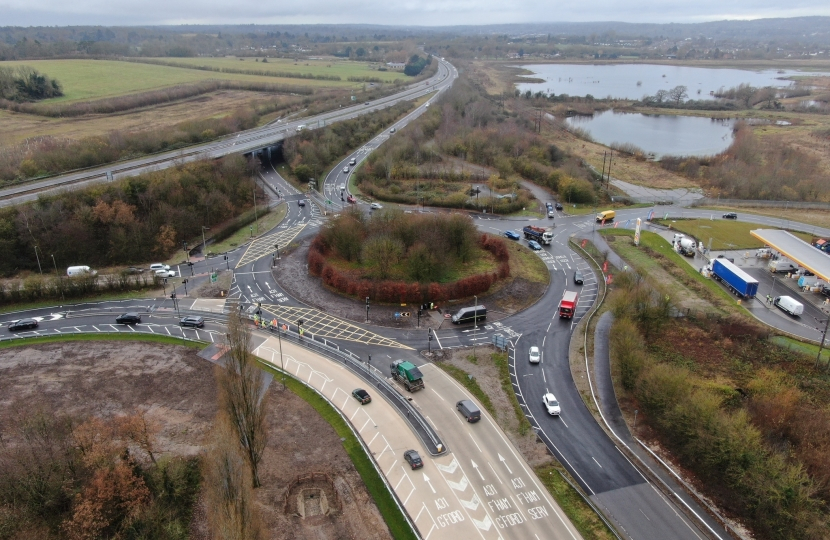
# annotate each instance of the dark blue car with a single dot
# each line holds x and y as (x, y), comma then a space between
(513, 235)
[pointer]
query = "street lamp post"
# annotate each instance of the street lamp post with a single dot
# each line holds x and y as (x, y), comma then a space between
(475, 323)
(821, 343)
(277, 247)
(204, 243)
(367, 309)
(60, 281)
(184, 282)
(282, 360)
(186, 252)
(38, 262)
(256, 219)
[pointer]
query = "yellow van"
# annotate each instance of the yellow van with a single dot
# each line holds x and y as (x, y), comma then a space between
(606, 216)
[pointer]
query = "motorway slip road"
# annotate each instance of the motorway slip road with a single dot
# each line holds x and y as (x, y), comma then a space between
(482, 488)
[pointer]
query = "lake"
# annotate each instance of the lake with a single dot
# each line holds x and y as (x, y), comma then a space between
(660, 134)
(633, 81)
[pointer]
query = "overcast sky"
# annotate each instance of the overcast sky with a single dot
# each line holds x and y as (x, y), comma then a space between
(407, 12)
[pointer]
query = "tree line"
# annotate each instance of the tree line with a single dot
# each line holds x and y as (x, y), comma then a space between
(24, 83)
(426, 161)
(124, 222)
(397, 257)
(752, 168)
(734, 440)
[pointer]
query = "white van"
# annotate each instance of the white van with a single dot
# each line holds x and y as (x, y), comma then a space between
(782, 265)
(789, 304)
(74, 271)
(300, 127)
(159, 266)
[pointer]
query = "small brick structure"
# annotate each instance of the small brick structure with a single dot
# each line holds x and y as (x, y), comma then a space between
(312, 495)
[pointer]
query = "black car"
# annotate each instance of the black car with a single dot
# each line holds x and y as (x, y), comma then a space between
(730, 215)
(362, 396)
(578, 277)
(128, 318)
(301, 202)
(22, 324)
(414, 460)
(558, 206)
(730, 259)
(192, 320)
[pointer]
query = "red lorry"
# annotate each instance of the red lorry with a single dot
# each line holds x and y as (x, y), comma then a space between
(567, 306)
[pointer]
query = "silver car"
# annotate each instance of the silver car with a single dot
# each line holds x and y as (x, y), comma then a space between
(535, 356)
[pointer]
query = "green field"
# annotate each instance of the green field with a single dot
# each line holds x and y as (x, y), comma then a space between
(340, 68)
(724, 234)
(84, 80)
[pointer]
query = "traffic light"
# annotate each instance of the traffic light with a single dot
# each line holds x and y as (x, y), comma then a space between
(172, 296)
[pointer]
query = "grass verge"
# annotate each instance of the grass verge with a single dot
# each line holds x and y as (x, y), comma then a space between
(723, 234)
(243, 235)
(62, 338)
(584, 518)
(500, 360)
(470, 384)
(129, 295)
(645, 264)
(582, 209)
(384, 500)
(805, 348)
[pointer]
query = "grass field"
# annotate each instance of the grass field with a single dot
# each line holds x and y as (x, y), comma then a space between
(340, 68)
(95, 79)
(114, 336)
(820, 218)
(724, 234)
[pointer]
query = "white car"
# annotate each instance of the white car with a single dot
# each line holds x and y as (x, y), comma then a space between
(352, 162)
(159, 266)
(166, 273)
(551, 404)
(376, 206)
(342, 187)
(346, 170)
(535, 356)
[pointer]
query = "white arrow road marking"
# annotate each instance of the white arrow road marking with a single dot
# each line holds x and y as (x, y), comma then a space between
(484, 524)
(448, 468)
(472, 504)
(459, 486)
(505, 464)
(426, 479)
(475, 466)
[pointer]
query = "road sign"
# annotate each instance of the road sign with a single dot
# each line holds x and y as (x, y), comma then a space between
(213, 278)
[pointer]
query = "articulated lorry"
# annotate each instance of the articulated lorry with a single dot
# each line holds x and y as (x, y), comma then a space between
(736, 280)
(540, 234)
(408, 375)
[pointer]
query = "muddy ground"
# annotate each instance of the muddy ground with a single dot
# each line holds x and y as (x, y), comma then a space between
(292, 275)
(176, 388)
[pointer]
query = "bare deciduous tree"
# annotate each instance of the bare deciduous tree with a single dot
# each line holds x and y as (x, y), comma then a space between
(241, 393)
(231, 509)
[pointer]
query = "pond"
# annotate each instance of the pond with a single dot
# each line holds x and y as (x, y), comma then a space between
(660, 134)
(633, 81)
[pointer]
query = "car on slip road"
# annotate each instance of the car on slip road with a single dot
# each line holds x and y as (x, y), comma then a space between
(578, 277)
(551, 404)
(301, 202)
(22, 324)
(128, 318)
(513, 235)
(362, 396)
(414, 460)
(730, 215)
(193, 321)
